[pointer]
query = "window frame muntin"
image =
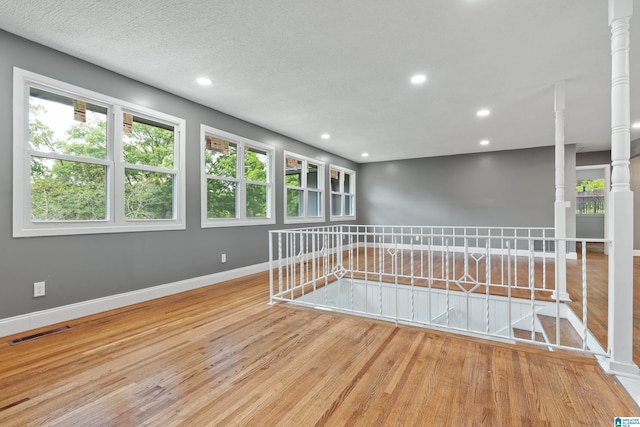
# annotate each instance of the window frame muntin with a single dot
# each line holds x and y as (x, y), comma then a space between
(342, 171)
(241, 218)
(305, 189)
(23, 226)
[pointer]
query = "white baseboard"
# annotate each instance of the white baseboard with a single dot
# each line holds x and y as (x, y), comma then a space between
(26, 322)
(636, 252)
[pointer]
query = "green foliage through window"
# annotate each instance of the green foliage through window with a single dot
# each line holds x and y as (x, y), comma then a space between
(590, 197)
(236, 176)
(67, 184)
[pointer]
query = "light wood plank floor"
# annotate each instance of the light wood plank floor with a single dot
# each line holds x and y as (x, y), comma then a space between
(222, 356)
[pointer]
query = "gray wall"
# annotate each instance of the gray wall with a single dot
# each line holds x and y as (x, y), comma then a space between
(505, 188)
(593, 158)
(78, 268)
(590, 226)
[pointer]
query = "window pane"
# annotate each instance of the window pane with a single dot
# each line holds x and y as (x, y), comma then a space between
(221, 198)
(336, 204)
(590, 194)
(348, 205)
(53, 129)
(293, 172)
(221, 161)
(348, 183)
(149, 144)
(312, 176)
(63, 190)
(255, 165)
(335, 180)
(148, 195)
(294, 203)
(256, 201)
(315, 204)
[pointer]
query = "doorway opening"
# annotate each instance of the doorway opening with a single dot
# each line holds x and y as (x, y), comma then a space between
(592, 197)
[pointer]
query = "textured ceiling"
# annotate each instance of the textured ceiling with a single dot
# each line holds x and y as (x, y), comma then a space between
(306, 67)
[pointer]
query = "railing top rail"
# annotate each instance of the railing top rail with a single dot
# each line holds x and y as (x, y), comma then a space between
(467, 227)
(338, 230)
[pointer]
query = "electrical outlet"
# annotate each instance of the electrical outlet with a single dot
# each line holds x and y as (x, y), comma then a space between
(38, 289)
(223, 258)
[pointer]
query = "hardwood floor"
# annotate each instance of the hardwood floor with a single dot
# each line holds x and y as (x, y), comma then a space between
(222, 356)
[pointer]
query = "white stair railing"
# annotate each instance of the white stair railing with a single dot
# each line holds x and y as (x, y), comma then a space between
(475, 280)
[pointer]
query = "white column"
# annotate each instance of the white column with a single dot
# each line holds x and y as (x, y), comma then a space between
(621, 198)
(560, 209)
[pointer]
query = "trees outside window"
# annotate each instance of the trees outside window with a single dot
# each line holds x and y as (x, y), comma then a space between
(304, 192)
(343, 193)
(87, 163)
(236, 180)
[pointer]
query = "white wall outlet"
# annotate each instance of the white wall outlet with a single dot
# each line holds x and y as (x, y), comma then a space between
(38, 289)
(223, 258)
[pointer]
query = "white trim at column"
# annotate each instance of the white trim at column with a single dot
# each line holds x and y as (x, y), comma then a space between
(621, 198)
(560, 207)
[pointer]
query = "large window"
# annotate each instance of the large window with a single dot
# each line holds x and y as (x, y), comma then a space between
(236, 180)
(343, 193)
(88, 163)
(303, 182)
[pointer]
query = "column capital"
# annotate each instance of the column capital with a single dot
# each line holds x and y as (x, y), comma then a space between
(619, 9)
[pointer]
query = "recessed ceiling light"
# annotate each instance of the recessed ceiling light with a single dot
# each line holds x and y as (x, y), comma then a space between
(418, 79)
(325, 136)
(483, 112)
(636, 125)
(365, 154)
(203, 81)
(484, 142)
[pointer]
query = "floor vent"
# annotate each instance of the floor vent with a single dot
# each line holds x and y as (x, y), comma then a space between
(38, 335)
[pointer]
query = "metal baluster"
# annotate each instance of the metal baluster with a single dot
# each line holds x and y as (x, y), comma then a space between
(465, 253)
(394, 259)
(270, 267)
(326, 264)
(366, 270)
(381, 260)
(351, 269)
(584, 295)
(447, 281)
(532, 287)
(515, 246)
(509, 287)
(544, 259)
(430, 267)
(502, 256)
(280, 278)
(314, 262)
(301, 258)
(412, 283)
(487, 265)
(421, 252)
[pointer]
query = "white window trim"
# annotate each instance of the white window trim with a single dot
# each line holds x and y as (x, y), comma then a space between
(305, 189)
(115, 222)
(241, 219)
(342, 217)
